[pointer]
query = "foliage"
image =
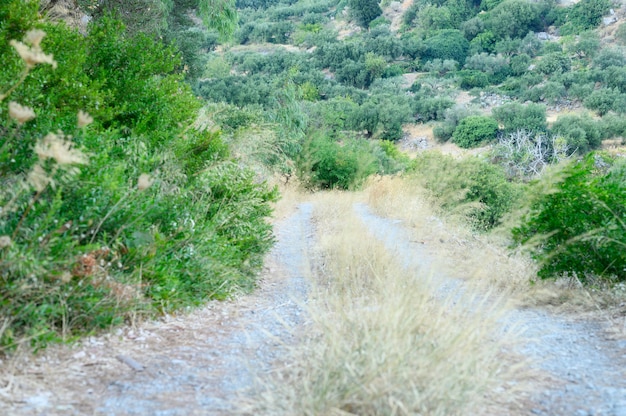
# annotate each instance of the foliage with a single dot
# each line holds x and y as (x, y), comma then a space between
(604, 100)
(515, 116)
(578, 228)
(326, 164)
(364, 11)
(446, 44)
(473, 131)
(581, 133)
(473, 186)
(443, 131)
(156, 218)
(582, 16)
(552, 63)
(431, 108)
(515, 18)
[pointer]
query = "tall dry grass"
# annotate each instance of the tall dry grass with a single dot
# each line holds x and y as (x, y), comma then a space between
(382, 339)
(483, 257)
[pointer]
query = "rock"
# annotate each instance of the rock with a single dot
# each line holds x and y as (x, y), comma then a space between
(609, 20)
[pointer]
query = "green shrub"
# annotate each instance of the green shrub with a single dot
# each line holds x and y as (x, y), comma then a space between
(473, 131)
(605, 100)
(515, 116)
(475, 187)
(156, 218)
(446, 44)
(582, 16)
(582, 133)
(325, 164)
(431, 108)
(578, 228)
(473, 79)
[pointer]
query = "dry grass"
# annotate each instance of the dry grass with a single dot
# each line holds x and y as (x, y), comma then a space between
(383, 339)
(482, 257)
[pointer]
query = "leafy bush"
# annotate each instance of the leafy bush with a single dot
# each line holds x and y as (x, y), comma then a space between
(579, 224)
(473, 186)
(515, 18)
(443, 131)
(326, 164)
(582, 16)
(604, 100)
(156, 218)
(431, 108)
(473, 131)
(581, 133)
(446, 44)
(364, 11)
(515, 116)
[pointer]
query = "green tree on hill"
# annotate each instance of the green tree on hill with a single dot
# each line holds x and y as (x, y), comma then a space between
(364, 11)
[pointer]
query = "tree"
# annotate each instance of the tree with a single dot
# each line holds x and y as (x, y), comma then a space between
(364, 11)
(446, 44)
(515, 18)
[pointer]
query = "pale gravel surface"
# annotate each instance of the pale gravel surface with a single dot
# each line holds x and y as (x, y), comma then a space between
(585, 369)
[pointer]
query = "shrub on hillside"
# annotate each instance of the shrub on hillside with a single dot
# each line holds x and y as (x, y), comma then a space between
(473, 131)
(515, 116)
(446, 44)
(582, 16)
(581, 133)
(475, 187)
(577, 228)
(326, 164)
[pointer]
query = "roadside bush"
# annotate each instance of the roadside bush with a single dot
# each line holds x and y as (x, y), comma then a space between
(577, 229)
(473, 131)
(325, 164)
(471, 186)
(156, 218)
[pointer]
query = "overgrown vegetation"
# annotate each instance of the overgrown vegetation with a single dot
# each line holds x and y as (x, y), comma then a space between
(112, 203)
(578, 228)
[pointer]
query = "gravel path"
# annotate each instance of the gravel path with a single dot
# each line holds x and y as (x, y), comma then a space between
(586, 370)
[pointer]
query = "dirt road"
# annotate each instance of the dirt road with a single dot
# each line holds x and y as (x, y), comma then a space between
(207, 361)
